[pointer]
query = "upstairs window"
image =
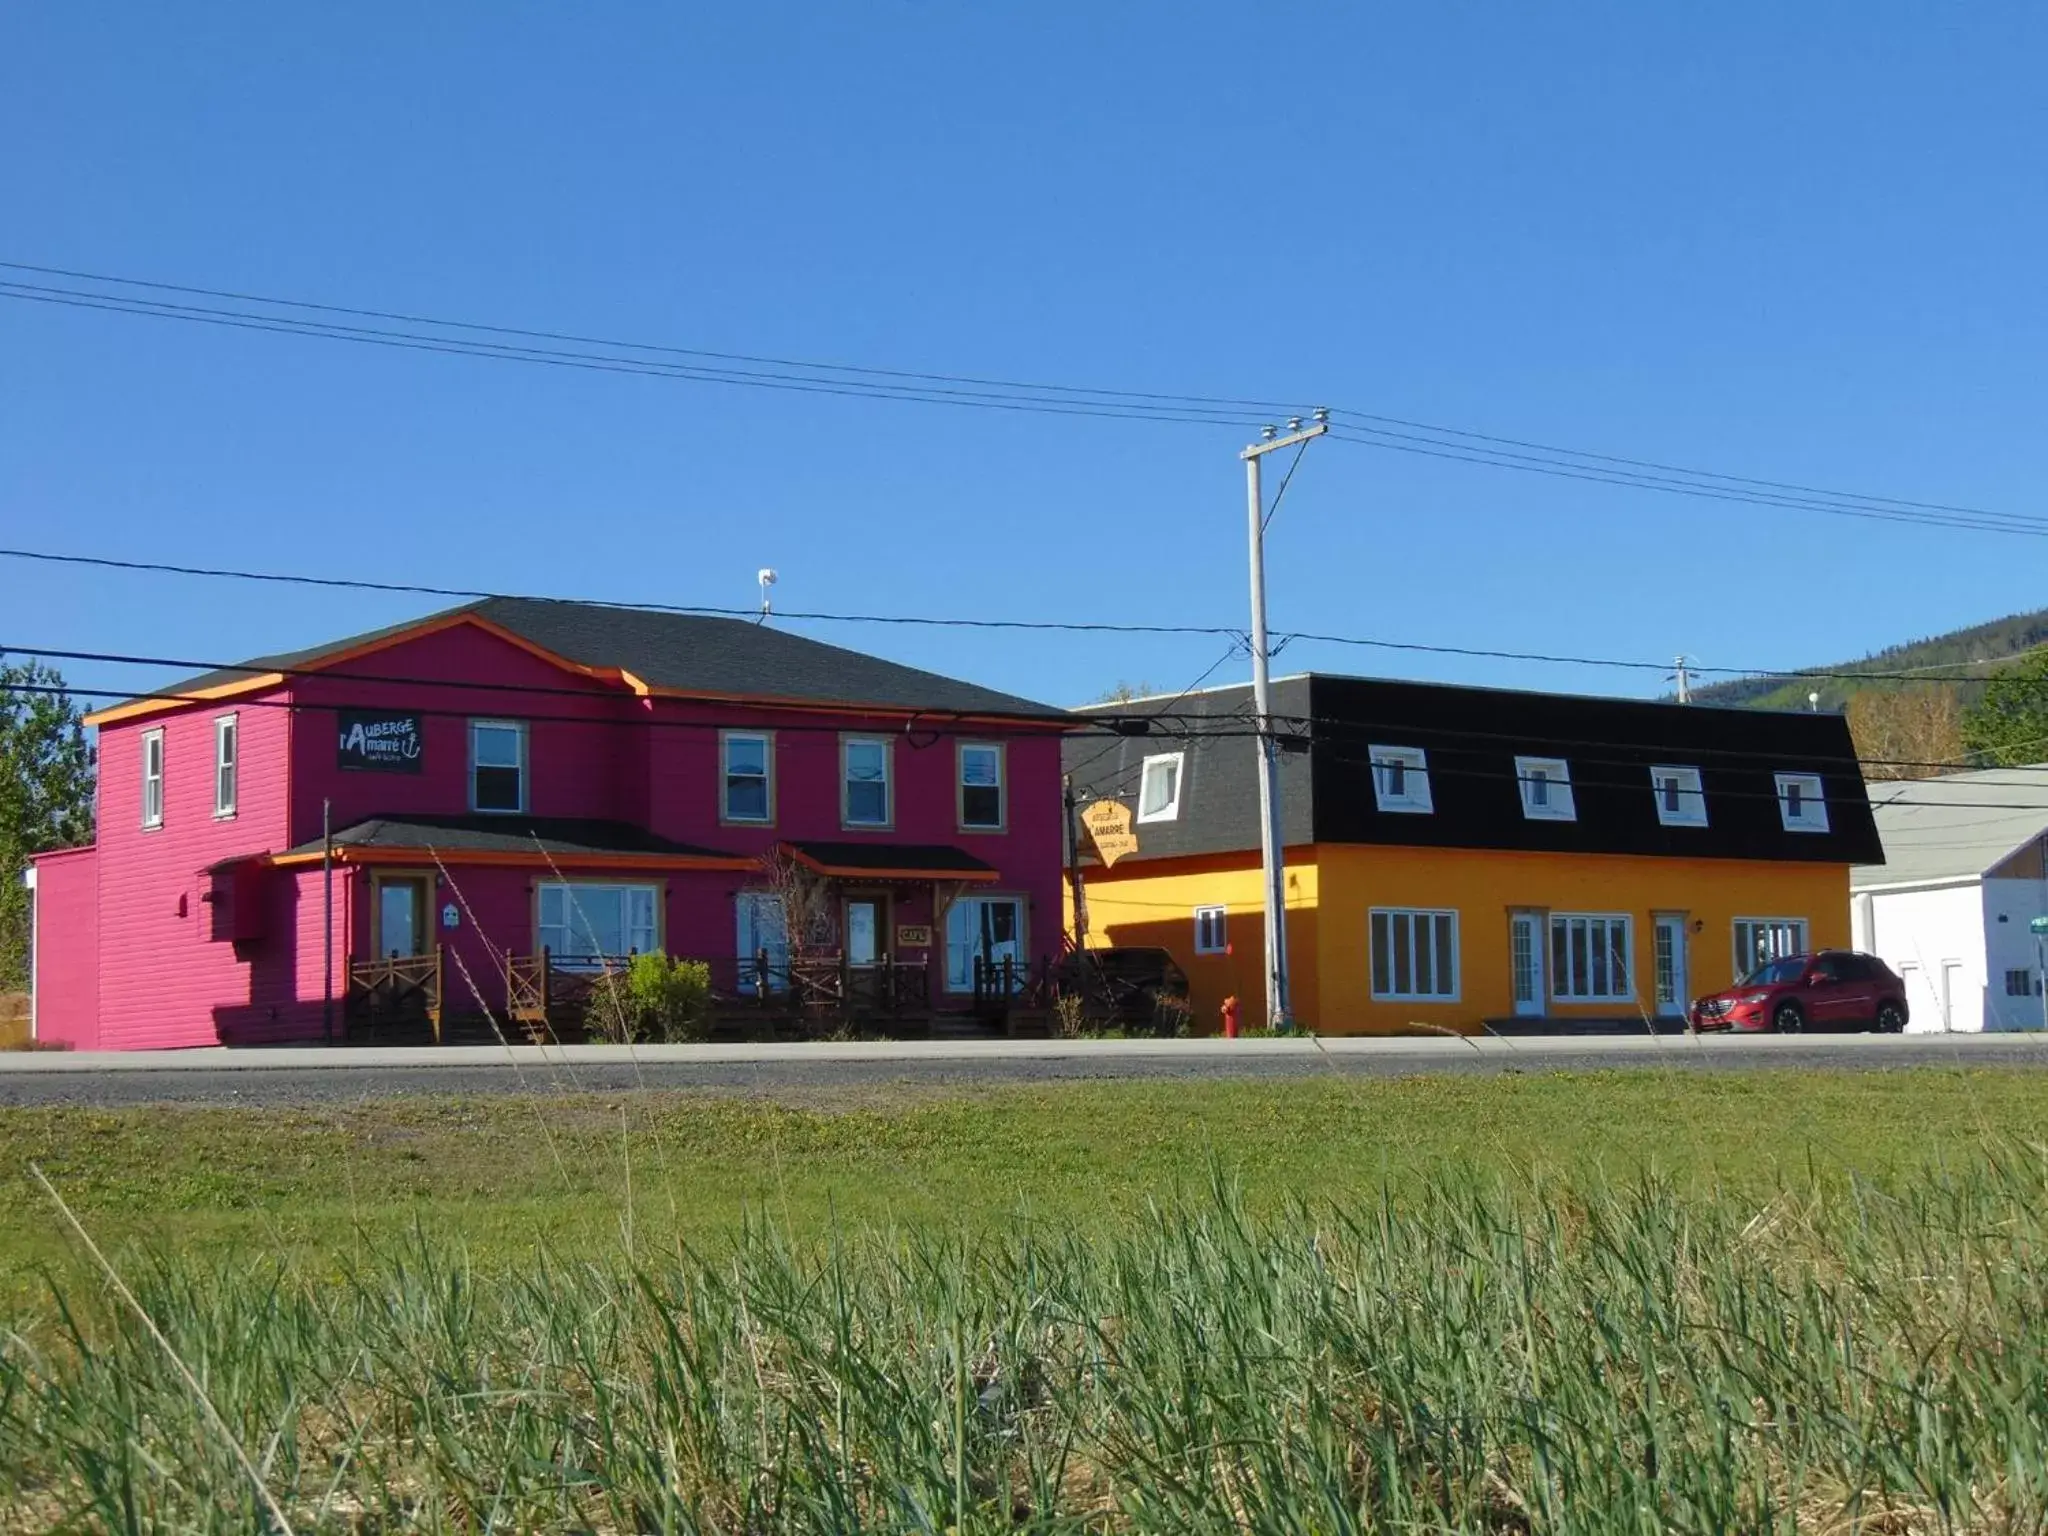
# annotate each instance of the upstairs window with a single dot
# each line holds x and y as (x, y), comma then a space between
(1400, 779)
(1546, 785)
(1159, 787)
(981, 786)
(865, 760)
(227, 751)
(1802, 802)
(747, 785)
(1210, 937)
(153, 778)
(1681, 802)
(497, 765)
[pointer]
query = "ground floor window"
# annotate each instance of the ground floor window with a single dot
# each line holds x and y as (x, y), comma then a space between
(1414, 955)
(582, 925)
(763, 930)
(1589, 958)
(1210, 936)
(1760, 940)
(988, 928)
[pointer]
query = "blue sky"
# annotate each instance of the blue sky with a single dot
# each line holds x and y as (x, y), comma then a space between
(1802, 243)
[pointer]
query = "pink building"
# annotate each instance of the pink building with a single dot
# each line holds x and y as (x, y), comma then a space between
(517, 777)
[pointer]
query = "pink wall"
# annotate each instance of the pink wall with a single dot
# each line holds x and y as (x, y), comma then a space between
(593, 751)
(580, 765)
(164, 980)
(67, 962)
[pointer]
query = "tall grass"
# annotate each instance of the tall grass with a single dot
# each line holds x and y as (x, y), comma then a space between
(1492, 1356)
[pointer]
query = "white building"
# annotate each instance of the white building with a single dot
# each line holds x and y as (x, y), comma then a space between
(1965, 873)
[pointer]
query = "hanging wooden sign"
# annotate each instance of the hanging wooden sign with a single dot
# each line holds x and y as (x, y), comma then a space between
(1108, 825)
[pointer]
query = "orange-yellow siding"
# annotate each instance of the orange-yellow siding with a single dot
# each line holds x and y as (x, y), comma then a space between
(1333, 888)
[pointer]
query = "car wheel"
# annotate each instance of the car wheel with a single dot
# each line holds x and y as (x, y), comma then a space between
(1891, 1018)
(1788, 1020)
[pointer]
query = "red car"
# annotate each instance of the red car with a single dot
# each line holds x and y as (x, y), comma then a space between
(1834, 989)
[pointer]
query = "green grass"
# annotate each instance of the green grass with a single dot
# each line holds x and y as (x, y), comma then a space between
(1641, 1301)
(503, 1175)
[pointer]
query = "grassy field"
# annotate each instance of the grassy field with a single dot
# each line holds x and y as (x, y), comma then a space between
(1619, 1302)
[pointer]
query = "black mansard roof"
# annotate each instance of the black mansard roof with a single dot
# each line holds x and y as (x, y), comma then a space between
(1471, 738)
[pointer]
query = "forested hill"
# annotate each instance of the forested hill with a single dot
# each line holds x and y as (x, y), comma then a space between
(1975, 651)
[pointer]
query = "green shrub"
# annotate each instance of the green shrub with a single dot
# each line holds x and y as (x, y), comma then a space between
(653, 999)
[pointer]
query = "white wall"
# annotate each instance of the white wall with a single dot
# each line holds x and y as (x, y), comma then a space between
(1921, 934)
(2009, 946)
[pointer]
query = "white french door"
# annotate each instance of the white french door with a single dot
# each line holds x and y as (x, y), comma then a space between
(1525, 962)
(1671, 966)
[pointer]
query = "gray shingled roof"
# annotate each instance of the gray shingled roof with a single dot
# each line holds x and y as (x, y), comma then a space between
(693, 653)
(1958, 825)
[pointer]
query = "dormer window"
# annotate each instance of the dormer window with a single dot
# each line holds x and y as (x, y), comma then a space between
(1681, 802)
(1159, 787)
(1400, 779)
(1802, 802)
(1546, 785)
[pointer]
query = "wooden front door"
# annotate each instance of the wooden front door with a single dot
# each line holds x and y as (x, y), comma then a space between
(401, 915)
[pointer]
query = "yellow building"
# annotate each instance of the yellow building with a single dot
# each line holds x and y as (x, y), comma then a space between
(1458, 857)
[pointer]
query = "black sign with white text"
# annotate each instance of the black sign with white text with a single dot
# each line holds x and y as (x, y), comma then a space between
(379, 741)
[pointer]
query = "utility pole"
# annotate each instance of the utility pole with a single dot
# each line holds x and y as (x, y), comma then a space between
(1684, 681)
(1271, 847)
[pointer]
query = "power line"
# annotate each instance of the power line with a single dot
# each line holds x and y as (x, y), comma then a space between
(757, 370)
(642, 346)
(1066, 626)
(1675, 469)
(1994, 522)
(1112, 410)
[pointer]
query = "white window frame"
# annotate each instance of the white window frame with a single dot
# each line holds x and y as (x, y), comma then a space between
(574, 895)
(1691, 810)
(1408, 765)
(1212, 930)
(1812, 815)
(846, 821)
(1561, 969)
(152, 779)
(1554, 776)
(1170, 810)
(1419, 920)
(227, 766)
(1021, 941)
(1798, 936)
(726, 814)
(518, 728)
(1002, 786)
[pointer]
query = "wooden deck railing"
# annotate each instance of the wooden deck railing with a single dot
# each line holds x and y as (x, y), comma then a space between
(394, 993)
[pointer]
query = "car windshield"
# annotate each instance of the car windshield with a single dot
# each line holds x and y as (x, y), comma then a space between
(1775, 974)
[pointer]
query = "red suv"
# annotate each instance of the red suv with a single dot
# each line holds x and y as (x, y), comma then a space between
(1834, 989)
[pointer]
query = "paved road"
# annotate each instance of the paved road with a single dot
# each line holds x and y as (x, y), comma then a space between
(316, 1076)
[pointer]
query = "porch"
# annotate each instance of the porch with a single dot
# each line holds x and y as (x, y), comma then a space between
(549, 999)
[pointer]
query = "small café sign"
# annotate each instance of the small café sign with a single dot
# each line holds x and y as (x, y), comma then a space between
(379, 741)
(913, 935)
(1108, 825)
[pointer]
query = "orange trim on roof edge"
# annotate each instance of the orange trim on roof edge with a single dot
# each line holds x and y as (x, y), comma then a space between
(472, 857)
(135, 709)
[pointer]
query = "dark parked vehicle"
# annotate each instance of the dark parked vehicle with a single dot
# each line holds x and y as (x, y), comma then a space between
(1835, 989)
